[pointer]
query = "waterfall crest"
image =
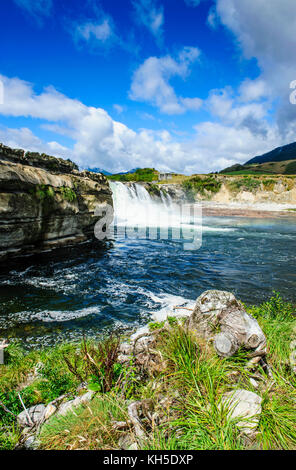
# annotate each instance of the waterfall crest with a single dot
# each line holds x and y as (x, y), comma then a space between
(136, 214)
(134, 206)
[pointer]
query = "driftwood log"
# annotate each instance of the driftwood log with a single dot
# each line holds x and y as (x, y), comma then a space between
(219, 316)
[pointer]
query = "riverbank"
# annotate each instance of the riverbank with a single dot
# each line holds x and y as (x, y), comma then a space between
(167, 393)
(261, 210)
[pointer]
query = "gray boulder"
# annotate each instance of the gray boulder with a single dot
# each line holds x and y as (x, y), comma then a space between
(219, 310)
(72, 404)
(32, 416)
(246, 407)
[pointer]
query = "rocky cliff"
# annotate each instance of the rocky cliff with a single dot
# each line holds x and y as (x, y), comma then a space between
(45, 202)
(221, 189)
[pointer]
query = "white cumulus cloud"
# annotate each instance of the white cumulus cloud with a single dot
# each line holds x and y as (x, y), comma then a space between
(150, 14)
(151, 82)
(100, 141)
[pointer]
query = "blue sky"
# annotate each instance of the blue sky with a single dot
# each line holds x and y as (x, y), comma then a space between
(184, 85)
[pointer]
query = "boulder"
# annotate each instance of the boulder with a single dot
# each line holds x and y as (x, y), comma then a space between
(32, 417)
(36, 415)
(220, 311)
(245, 406)
(72, 404)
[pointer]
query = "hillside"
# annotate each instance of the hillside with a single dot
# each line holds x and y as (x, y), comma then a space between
(280, 161)
(280, 154)
(281, 167)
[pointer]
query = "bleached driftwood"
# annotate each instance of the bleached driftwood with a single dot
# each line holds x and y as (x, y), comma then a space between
(219, 316)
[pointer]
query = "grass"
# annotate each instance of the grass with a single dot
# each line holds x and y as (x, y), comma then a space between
(244, 184)
(192, 380)
(204, 186)
(141, 174)
(89, 428)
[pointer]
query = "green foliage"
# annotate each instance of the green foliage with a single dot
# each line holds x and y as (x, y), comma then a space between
(244, 184)
(97, 364)
(153, 326)
(9, 437)
(68, 193)
(274, 309)
(200, 185)
(141, 174)
(290, 169)
(90, 428)
(43, 192)
(193, 378)
(277, 420)
(154, 189)
(46, 193)
(173, 321)
(268, 184)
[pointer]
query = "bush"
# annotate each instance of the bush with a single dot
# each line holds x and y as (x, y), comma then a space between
(200, 185)
(245, 184)
(140, 175)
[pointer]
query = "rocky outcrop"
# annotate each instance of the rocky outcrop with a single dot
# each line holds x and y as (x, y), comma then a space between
(219, 316)
(245, 408)
(242, 190)
(45, 202)
(174, 191)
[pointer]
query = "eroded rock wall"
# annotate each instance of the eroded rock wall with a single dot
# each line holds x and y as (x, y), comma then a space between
(45, 202)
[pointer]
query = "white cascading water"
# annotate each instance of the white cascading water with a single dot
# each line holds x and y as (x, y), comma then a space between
(134, 207)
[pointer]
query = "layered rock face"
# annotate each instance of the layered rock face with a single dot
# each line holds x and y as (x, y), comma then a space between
(45, 202)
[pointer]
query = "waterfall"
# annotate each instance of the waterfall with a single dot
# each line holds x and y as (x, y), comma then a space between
(136, 212)
(134, 206)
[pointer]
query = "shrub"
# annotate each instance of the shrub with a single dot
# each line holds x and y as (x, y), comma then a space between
(200, 185)
(245, 184)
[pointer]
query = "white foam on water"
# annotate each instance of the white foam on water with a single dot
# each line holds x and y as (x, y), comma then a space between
(48, 316)
(134, 207)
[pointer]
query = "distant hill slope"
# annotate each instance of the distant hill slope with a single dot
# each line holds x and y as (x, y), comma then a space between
(281, 160)
(280, 154)
(287, 167)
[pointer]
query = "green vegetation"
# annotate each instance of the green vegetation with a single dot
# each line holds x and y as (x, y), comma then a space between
(244, 184)
(68, 193)
(268, 184)
(141, 174)
(154, 189)
(45, 192)
(245, 172)
(266, 168)
(201, 185)
(89, 428)
(189, 375)
(290, 168)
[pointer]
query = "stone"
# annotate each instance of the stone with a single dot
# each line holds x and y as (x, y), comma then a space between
(254, 383)
(32, 416)
(219, 310)
(127, 441)
(207, 308)
(49, 411)
(31, 443)
(244, 405)
(72, 404)
(133, 446)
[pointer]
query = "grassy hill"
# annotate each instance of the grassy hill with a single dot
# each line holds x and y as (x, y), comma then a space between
(279, 154)
(287, 167)
(280, 161)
